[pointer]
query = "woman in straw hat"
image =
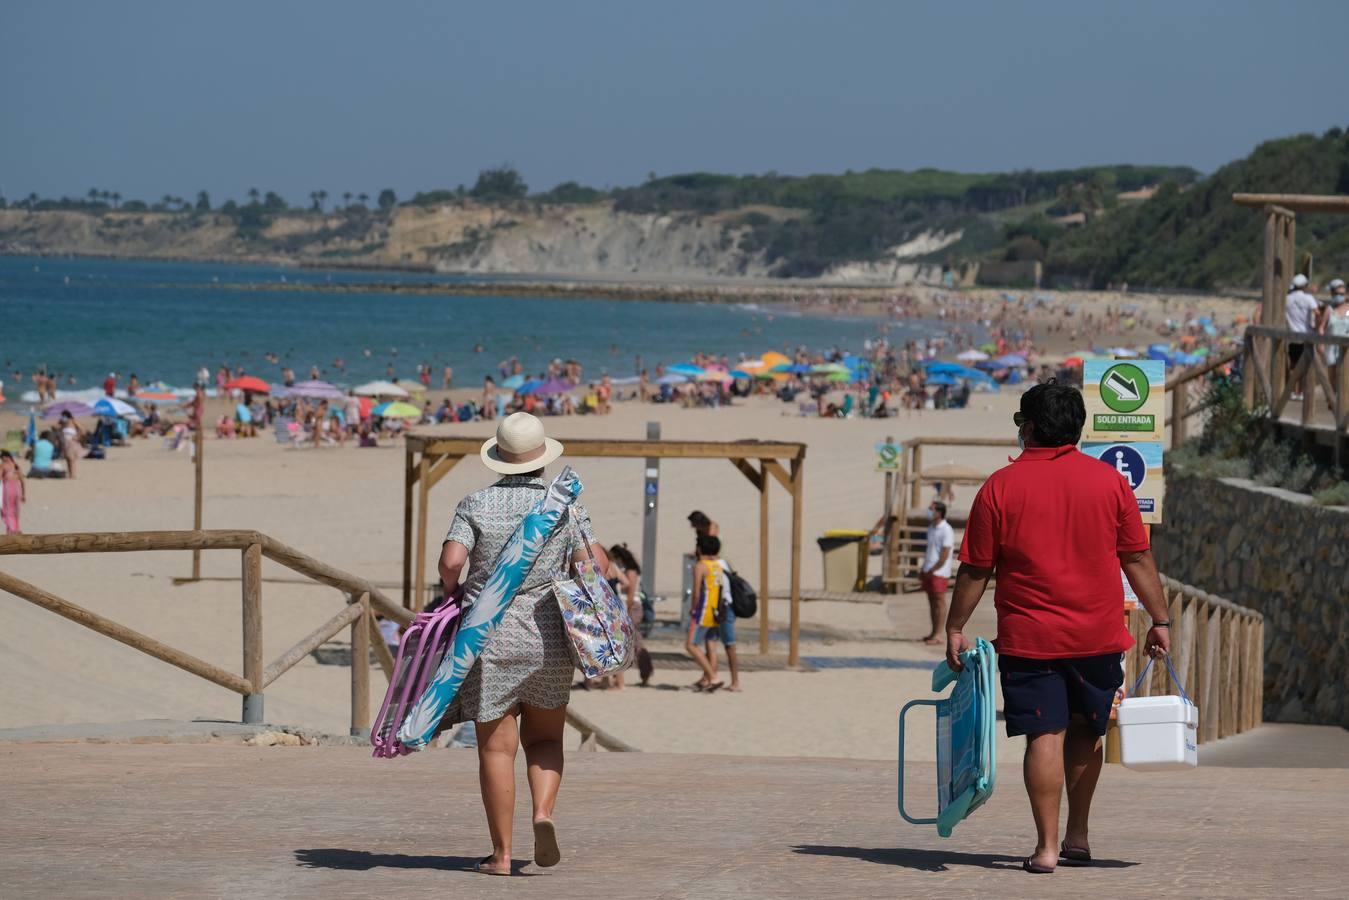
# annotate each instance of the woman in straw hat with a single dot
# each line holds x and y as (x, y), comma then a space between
(526, 669)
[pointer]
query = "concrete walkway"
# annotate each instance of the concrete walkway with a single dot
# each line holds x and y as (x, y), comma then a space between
(222, 820)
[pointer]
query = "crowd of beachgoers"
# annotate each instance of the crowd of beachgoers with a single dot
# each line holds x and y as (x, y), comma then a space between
(969, 343)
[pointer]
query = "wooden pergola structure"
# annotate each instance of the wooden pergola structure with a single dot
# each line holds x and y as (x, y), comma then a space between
(431, 456)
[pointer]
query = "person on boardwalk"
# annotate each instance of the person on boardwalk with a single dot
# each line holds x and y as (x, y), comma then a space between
(936, 571)
(13, 492)
(1057, 526)
(525, 671)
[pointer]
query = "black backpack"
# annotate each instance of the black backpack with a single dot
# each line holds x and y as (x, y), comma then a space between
(744, 602)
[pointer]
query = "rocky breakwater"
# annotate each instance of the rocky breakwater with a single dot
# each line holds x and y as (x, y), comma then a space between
(1276, 552)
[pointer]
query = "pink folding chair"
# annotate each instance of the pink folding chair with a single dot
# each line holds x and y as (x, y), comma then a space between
(420, 652)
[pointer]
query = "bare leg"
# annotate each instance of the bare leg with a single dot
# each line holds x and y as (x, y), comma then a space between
(711, 648)
(1042, 769)
(936, 605)
(1082, 758)
(497, 743)
(692, 649)
(541, 735)
(735, 667)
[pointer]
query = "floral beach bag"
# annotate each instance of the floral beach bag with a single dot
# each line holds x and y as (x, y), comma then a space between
(601, 632)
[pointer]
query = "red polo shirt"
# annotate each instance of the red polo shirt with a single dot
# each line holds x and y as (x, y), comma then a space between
(1051, 523)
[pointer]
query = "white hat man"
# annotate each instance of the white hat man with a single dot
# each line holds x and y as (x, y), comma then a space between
(520, 446)
(1300, 306)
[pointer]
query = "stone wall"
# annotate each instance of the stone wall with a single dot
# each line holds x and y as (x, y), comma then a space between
(1278, 553)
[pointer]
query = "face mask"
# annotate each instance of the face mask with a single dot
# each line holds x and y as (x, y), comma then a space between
(931, 515)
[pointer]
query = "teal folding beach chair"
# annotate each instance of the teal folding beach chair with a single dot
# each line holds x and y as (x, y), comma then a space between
(967, 741)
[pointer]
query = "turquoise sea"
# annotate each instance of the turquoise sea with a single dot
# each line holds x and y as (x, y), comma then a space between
(164, 320)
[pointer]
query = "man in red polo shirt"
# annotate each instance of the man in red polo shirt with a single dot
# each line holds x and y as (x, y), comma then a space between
(1057, 526)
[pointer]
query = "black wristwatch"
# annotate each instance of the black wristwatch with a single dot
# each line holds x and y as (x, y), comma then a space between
(1161, 624)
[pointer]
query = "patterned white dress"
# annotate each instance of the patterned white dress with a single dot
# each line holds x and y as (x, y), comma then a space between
(528, 659)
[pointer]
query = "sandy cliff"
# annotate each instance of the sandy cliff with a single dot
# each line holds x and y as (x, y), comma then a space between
(590, 240)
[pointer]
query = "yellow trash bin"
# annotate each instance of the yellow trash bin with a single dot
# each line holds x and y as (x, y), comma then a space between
(845, 559)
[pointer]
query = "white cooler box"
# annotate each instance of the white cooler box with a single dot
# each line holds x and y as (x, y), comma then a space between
(1158, 733)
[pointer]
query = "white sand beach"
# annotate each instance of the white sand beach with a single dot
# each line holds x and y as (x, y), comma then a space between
(343, 506)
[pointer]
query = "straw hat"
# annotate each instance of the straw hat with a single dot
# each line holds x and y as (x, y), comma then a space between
(520, 446)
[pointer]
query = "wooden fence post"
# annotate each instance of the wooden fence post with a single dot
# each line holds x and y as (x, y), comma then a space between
(360, 669)
(198, 446)
(252, 618)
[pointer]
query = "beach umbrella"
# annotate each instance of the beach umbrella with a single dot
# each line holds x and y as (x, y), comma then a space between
(721, 377)
(396, 410)
(514, 383)
(74, 407)
(845, 375)
(32, 428)
(942, 378)
(379, 389)
(158, 398)
(1073, 362)
(972, 356)
(111, 406)
(740, 373)
(773, 358)
(555, 386)
(1011, 360)
(248, 383)
(828, 369)
(672, 378)
(685, 369)
(989, 347)
(752, 365)
(317, 390)
(1125, 352)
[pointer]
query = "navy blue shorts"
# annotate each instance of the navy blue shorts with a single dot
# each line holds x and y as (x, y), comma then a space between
(1040, 695)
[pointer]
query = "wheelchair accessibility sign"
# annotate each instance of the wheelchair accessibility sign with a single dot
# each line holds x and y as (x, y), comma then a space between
(1141, 466)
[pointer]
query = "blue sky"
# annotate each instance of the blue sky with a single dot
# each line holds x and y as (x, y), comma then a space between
(150, 98)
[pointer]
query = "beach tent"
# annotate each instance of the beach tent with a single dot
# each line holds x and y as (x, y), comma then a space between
(972, 356)
(379, 389)
(248, 383)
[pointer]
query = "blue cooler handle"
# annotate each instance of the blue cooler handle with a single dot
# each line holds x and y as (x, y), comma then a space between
(1143, 674)
(903, 712)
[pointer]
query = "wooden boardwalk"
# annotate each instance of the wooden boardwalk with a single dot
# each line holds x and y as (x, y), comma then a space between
(223, 820)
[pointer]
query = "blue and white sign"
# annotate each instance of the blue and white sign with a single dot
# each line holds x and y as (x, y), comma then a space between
(1141, 466)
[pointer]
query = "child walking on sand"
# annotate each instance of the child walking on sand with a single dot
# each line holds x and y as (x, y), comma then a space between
(13, 491)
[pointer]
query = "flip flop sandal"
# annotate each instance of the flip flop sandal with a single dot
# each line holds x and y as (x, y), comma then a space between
(698, 687)
(1035, 868)
(1074, 854)
(546, 852)
(482, 868)
(713, 687)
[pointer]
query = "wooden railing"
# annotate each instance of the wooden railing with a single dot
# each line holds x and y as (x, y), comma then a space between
(1218, 650)
(1271, 381)
(1187, 390)
(363, 598)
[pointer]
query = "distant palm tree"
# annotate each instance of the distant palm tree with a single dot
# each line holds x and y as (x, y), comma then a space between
(346, 198)
(32, 200)
(166, 200)
(323, 198)
(94, 194)
(253, 195)
(116, 199)
(364, 198)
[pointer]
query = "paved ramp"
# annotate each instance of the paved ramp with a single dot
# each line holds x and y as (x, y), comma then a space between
(217, 820)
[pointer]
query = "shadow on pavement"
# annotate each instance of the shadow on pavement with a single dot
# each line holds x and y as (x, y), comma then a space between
(362, 861)
(934, 860)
